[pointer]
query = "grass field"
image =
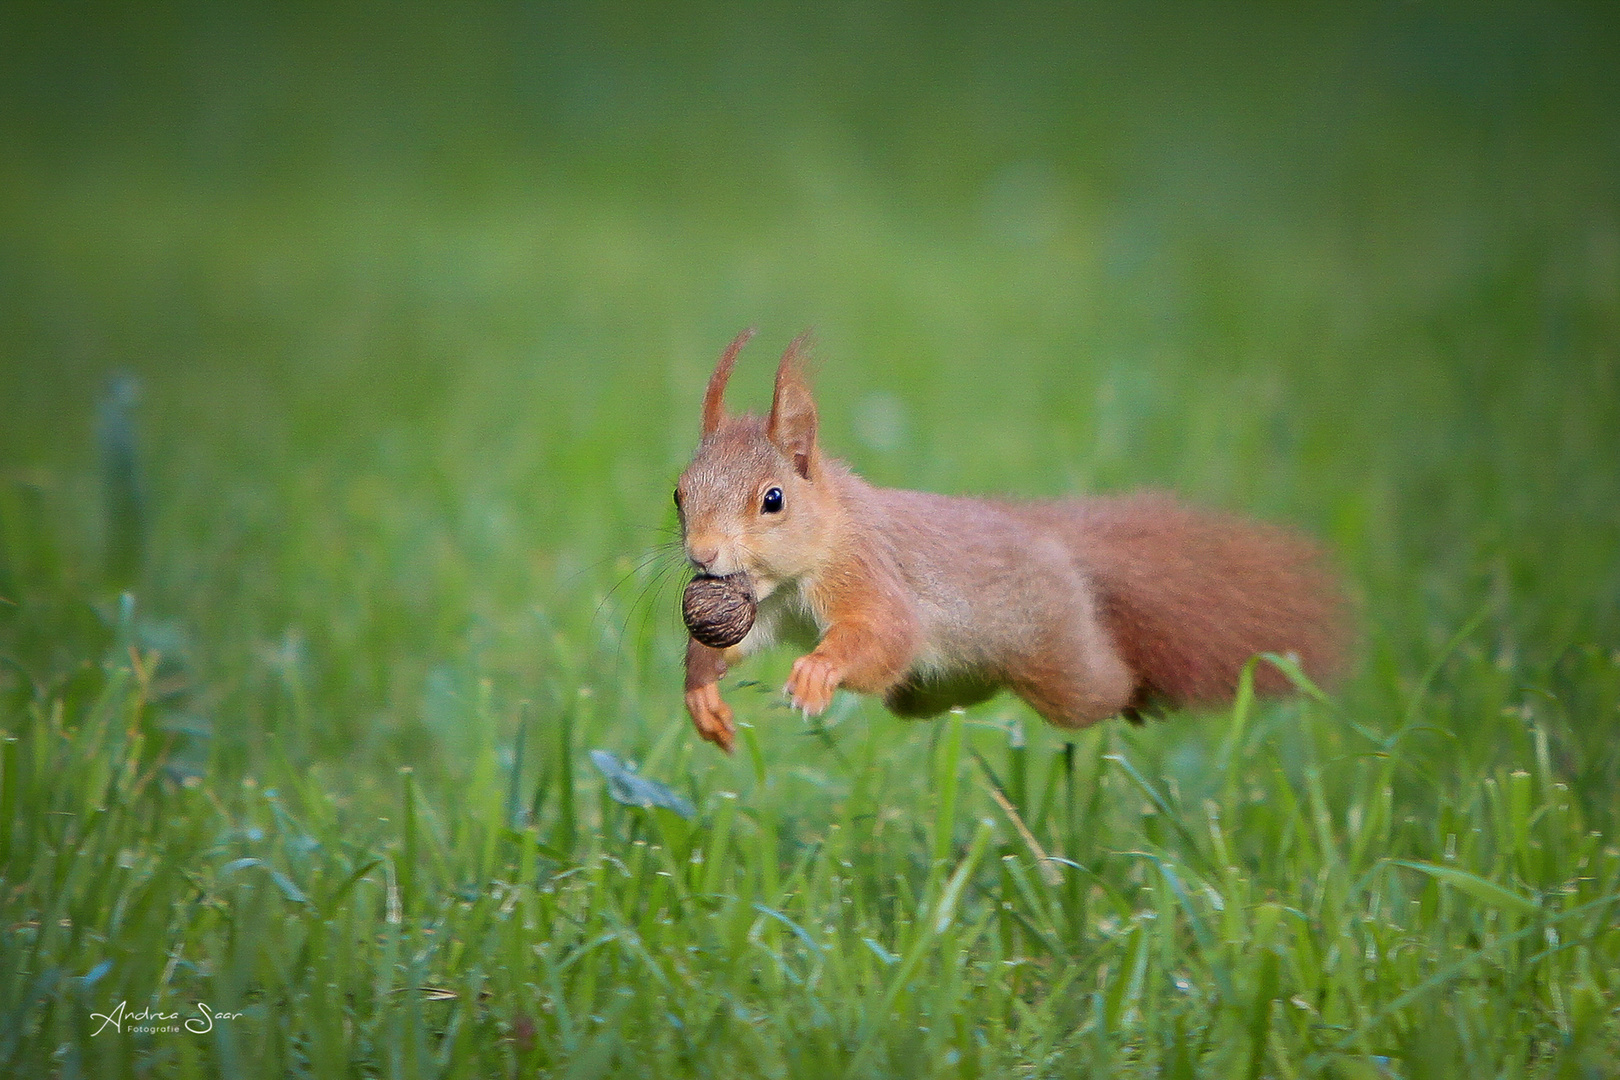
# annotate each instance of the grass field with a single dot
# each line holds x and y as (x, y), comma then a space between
(347, 359)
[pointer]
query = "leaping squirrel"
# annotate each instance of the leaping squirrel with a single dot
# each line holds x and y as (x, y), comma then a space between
(1084, 608)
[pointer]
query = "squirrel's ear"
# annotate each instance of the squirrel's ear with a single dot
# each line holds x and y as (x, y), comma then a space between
(792, 425)
(714, 405)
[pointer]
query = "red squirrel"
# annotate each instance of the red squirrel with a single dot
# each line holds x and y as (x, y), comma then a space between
(1084, 608)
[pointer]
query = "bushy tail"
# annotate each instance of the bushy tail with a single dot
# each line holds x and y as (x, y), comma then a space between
(1191, 595)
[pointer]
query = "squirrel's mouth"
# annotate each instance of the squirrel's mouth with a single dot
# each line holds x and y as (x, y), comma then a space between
(721, 561)
(723, 558)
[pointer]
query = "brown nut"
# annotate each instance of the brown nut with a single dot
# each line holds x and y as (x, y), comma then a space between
(719, 611)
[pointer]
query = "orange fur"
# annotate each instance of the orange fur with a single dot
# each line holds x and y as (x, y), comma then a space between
(1085, 608)
(714, 398)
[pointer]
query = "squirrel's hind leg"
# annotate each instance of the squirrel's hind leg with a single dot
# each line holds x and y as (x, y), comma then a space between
(1074, 676)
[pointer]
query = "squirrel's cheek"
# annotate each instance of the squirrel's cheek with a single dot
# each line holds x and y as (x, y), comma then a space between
(779, 561)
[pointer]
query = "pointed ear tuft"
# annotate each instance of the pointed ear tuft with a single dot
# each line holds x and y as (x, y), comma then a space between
(792, 424)
(714, 405)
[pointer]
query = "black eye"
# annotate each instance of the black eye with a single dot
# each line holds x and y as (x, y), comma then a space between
(773, 501)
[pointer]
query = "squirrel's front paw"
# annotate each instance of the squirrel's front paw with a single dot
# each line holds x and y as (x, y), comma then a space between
(711, 715)
(811, 684)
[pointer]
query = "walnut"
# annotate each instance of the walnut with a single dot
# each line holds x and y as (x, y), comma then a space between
(719, 611)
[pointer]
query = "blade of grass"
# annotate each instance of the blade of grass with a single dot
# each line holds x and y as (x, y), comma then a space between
(934, 924)
(1485, 891)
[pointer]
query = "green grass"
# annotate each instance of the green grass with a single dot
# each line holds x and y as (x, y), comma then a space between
(298, 716)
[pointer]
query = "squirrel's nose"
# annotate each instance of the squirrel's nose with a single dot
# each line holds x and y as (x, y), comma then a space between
(703, 555)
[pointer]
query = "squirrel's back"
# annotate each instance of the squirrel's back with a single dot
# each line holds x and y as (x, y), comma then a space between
(1189, 595)
(1186, 596)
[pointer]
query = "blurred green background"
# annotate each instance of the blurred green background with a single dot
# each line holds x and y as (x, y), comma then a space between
(420, 300)
(348, 355)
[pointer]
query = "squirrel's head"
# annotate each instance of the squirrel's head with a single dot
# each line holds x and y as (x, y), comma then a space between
(754, 497)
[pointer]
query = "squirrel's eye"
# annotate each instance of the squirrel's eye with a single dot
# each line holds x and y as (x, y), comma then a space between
(773, 501)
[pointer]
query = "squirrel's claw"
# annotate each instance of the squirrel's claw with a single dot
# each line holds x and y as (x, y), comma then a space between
(711, 716)
(811, 684)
